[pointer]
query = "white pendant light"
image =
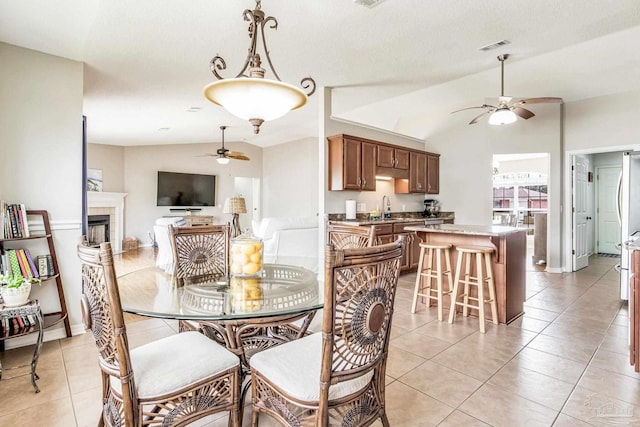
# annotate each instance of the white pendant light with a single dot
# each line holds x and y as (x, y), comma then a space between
(252, 97)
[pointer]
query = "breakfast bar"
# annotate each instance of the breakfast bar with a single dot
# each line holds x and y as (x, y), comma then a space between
(509, 259)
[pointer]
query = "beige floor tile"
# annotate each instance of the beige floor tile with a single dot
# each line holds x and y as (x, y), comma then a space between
(472, 361)
(500, 408)
(549, 364)
(545, 390)
(599, 409)
(441, 383)
(460, 419)
(420, 345)
(540, 314)
(615, 343)
(399, 362)
(87, 406)
(614, 362)
(450, 332)
(566, 347)
(57, 413)
(612, 384)
(529, 324)
(407, 407)
(564, 420)
(17, 394)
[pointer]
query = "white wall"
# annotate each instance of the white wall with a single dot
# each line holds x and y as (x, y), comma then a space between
(41, 149)
(141, 164)
(110, 160)
(466, 167)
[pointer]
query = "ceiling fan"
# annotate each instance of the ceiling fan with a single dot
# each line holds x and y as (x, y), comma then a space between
(506, 113)
(223, 155)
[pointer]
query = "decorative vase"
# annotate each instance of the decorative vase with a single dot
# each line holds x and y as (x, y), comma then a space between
(14, 297)
(246, 256)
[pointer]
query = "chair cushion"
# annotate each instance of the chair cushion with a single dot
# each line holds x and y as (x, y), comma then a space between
(174, 362)
(295, 368)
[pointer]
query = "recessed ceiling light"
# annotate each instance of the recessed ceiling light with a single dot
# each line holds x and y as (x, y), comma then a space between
(164, 129)
(368, 3)
(494, 45)
(194, 109)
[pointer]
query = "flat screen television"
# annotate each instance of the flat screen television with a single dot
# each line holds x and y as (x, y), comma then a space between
(186, 189)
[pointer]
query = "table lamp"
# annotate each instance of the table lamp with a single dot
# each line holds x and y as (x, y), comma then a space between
(235, 206)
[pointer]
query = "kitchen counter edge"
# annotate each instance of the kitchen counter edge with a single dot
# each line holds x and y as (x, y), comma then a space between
(478, 230)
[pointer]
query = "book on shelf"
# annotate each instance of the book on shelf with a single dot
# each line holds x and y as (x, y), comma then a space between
(13, 220)
(13, 262)
(45, 265)
(32, 264)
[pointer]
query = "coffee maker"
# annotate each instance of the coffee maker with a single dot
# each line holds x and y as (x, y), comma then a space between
(431, 208)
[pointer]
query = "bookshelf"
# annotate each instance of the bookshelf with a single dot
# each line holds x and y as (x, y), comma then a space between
(50, 318)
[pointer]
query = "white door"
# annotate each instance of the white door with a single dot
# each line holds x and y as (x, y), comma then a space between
(607, 218)
(580, 166)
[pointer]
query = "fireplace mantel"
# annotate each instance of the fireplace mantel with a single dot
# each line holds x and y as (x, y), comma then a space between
(105, 199)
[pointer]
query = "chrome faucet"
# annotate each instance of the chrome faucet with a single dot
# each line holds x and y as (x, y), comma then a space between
(386, 207)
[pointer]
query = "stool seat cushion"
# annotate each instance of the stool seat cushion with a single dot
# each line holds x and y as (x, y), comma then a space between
(475, 249)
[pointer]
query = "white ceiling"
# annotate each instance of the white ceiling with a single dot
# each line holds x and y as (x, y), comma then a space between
(402, 66)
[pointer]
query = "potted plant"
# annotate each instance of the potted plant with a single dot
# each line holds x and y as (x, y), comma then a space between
(15, 289)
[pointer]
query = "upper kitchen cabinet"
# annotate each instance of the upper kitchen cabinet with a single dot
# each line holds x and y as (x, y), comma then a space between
(433, 174)
(352, 164)
(417, 172)
(392, 161)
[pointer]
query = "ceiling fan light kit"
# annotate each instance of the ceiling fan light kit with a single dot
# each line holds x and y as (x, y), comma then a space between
(223, 155)
(504, 113)
(252, 97)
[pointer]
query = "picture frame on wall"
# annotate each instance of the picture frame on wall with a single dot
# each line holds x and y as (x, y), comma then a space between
(94, 180)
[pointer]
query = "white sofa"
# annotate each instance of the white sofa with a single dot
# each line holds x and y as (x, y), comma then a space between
(292, 240)
(164, 258)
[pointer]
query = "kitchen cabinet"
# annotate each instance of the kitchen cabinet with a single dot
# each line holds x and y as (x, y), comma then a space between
(433, 174)
(351, 164)
(424, 173)
(392, 161)
(387, 233)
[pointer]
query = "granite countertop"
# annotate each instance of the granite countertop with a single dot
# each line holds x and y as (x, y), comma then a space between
(478, 230)
(425, 221)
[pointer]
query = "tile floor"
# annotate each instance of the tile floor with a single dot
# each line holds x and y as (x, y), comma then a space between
(564, 363)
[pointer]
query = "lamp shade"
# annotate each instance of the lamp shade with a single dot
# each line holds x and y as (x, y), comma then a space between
(255, 98)
(234, 205)
(502, 116)
(223, 160)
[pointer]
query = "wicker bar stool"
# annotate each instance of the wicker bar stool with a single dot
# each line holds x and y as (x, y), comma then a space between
(430, 272)
(484, 275)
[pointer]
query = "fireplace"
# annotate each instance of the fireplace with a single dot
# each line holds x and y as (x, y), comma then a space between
(112, 205)
(98, 229)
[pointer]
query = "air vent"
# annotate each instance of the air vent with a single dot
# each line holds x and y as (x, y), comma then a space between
(495, 45)
(368, 3)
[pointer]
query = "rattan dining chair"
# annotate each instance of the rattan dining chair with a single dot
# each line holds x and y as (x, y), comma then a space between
(172, 381)
(350, 236)
(336, 377)
(200, 251)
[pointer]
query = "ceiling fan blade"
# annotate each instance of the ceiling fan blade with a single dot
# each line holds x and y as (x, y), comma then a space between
(476, 118)
(237, 155)
(522, 112)
(207, 155)
(471, 108)
(543, 100)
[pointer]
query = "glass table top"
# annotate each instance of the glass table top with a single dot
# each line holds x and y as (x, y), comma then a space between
(280, 290)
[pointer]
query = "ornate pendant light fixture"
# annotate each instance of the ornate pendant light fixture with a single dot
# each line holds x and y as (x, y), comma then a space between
(252, 97)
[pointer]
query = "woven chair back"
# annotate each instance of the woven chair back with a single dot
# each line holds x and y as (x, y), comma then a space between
(360, 288)
(102, 314)
(201, 251)
(350, 236)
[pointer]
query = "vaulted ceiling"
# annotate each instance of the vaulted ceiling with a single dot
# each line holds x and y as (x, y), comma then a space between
(403, 65)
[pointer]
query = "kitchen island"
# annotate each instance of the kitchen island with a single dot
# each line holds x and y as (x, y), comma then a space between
(509, 259)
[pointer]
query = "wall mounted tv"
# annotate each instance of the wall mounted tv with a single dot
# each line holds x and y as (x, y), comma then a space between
(186, 189)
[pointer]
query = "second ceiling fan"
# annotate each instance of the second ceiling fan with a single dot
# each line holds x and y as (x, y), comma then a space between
(223, 155)
(506, 113)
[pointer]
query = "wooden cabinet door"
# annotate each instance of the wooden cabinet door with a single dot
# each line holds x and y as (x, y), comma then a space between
(386, 158)
(405, 262)
(433, 174)
(417, 172)
(352, 164)
(402, 159)
(368, 167)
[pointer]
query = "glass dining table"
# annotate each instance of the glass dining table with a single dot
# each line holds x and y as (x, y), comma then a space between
(245, 314)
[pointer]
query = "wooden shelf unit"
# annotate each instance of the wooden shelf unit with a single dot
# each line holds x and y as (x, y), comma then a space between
(51, 318)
